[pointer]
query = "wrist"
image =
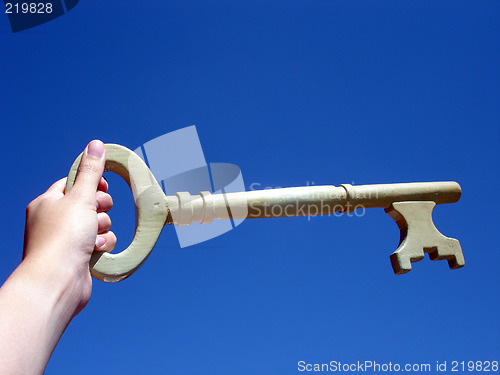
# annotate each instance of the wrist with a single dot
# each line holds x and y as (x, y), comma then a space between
(63, 286)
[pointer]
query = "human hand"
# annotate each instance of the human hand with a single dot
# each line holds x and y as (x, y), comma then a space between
(53, 283)
(62, 230)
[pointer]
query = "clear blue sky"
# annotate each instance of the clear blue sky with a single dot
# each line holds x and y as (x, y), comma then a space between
(292, 92)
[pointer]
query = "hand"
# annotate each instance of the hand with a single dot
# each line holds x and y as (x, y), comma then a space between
(62, 230)
(53, 284)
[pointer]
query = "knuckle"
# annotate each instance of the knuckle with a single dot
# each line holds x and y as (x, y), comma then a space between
(35, 203)
(104, 220)
(31, 206)
(104, 201)
(104, 196)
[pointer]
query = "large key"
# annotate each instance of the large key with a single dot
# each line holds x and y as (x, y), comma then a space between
(409, 204)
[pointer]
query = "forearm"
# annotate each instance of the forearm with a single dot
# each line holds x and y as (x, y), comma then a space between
(36, 305)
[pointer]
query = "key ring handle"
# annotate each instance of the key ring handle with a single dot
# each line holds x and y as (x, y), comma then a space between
(150, 214)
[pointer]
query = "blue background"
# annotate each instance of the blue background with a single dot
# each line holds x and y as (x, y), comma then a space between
(293, 92)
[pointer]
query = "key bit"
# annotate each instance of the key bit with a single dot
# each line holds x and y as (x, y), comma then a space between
(419, 235)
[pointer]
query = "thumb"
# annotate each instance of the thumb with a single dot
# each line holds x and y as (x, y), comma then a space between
(90, 170)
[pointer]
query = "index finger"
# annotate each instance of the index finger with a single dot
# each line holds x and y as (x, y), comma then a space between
(103, 185)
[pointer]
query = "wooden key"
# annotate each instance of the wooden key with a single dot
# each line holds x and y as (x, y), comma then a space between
(409, 204)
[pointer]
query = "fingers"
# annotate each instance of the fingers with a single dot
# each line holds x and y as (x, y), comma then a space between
(104, 202)
(103, 185)
(90, 170)
(58, 186)
(105, 242)
(103, 223)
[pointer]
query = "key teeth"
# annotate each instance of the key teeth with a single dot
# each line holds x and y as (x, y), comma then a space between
(400, 264)
(450, 251)
(420, 236)
(404, 256)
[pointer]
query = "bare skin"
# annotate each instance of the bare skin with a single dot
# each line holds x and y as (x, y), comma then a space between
(53, 283)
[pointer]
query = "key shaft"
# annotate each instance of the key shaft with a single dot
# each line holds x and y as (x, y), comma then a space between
(302, 201)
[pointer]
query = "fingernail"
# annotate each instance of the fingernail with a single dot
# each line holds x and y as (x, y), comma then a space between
(95, 149)
(100, 241)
